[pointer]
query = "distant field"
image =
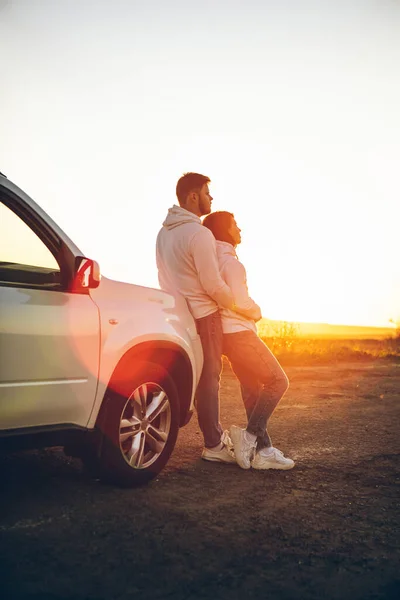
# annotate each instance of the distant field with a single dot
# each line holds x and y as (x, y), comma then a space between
(318, 343)
(325, 330)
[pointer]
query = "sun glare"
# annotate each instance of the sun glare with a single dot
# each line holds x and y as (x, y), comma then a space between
(297, 126)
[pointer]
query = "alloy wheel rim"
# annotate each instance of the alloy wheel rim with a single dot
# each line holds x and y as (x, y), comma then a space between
(145, 424)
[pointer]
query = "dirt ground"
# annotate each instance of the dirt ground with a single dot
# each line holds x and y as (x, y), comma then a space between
(328, 529)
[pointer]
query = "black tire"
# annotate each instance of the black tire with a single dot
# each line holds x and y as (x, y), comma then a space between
(135, 445)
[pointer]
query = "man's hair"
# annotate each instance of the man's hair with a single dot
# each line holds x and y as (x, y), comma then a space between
(218, 223)
(189, 182)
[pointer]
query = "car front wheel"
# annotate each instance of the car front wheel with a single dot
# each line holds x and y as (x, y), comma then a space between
(139, 425)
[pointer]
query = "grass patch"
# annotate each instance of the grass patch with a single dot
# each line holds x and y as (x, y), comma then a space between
(290, 348)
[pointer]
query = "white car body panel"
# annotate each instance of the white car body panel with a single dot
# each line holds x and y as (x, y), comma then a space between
(49, 349)
(131, 315)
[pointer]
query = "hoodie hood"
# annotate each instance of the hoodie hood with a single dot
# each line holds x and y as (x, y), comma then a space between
(179, 216)
(225, 249)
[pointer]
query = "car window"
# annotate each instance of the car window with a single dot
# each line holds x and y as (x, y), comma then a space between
(24, 258)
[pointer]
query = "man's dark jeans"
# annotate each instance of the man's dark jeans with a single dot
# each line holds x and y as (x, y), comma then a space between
(207, 395)
(262, 379)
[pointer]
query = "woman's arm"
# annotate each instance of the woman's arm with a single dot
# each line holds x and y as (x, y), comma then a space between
(235, 277)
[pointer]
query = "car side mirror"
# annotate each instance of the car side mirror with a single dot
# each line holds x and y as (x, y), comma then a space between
(87, 274)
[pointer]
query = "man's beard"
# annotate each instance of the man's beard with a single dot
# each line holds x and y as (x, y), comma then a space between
(204, 208)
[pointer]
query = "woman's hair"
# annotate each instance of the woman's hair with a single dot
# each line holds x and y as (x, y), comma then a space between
(189, 182)
(219, 223)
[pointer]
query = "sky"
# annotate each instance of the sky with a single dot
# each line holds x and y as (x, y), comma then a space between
(291, 107)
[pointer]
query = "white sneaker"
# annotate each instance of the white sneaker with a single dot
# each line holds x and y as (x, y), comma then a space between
(273, 460)
(244, 450)
(226, 440)
(225, 455)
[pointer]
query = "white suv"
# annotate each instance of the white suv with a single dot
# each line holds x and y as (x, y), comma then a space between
(106, 369)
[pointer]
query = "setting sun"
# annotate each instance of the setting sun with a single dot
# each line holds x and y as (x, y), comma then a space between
(293, 114)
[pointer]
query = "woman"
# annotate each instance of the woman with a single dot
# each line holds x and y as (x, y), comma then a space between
(263, 381)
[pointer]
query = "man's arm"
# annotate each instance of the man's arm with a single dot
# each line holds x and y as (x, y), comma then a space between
(206, 262)
(235, 276)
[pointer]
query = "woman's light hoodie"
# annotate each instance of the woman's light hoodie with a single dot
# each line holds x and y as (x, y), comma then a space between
(234, 274)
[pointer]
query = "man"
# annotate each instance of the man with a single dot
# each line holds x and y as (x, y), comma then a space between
(187, 264)
(262, 379)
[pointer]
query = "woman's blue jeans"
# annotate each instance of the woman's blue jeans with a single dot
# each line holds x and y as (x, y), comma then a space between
(262, 379)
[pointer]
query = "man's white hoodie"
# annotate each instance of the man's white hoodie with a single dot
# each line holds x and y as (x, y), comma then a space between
(187, 263)
(234, 275)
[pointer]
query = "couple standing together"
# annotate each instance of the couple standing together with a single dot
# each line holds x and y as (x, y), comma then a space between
(198, 261)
